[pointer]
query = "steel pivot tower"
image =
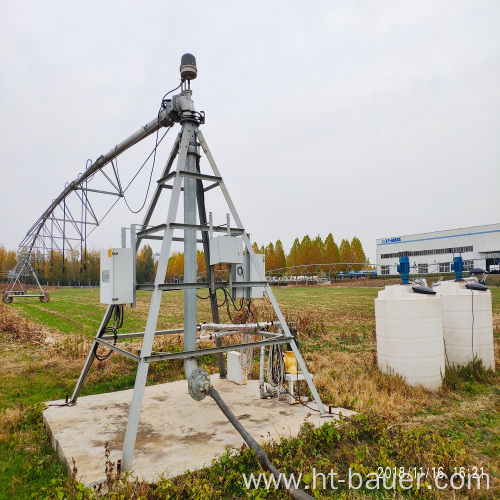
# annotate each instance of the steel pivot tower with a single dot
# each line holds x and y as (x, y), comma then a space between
(188, 179)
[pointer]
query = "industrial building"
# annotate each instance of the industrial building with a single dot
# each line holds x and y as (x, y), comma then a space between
(479, 246)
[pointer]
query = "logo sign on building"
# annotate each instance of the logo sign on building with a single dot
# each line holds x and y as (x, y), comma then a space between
(391, 240)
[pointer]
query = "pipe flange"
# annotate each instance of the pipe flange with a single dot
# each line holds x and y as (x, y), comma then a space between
(198, 383)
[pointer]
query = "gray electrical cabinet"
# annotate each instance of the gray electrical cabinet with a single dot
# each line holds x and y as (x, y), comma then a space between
(226, 250)
(248, 272)
(117, 276)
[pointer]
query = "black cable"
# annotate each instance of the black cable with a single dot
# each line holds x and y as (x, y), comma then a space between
(169, 92)
(228, 313)
(118, 317)
(259, 451)
(142, 166)
(301, 402)
(218, 305)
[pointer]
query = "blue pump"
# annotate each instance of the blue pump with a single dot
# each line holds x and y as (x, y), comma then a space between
(404, 269)
(458, 268)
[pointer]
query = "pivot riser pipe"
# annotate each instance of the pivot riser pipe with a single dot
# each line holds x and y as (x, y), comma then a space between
(190, 261)
(253, 445)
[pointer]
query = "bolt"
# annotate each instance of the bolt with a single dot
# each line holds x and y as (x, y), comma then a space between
(119, 467)
(67, 396)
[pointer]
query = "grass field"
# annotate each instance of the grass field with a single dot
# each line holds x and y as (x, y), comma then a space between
(399, 425)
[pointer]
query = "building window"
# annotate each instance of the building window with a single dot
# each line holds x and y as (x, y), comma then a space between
(385, 270)
(434, 251)
(423, 269)
(444, 267)
(468, 265)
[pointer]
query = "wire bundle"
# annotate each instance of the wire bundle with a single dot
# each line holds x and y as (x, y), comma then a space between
(276, 367)
(116, 325)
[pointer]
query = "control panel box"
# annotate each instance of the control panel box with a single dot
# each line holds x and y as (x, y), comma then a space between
(226, 250)
(248, 272)
(117, 276)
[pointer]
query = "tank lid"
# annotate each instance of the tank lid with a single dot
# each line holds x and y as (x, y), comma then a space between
(476, 286)
(423, 289)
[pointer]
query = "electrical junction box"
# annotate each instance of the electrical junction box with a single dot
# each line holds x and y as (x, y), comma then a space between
(117, 276)
(226, 250)
(248, 272)
(235, 372)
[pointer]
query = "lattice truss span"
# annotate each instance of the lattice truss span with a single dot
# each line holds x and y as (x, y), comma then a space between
(81, 207)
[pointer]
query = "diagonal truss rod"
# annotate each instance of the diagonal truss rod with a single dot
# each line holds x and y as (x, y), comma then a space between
(59, 215)
(162, 120)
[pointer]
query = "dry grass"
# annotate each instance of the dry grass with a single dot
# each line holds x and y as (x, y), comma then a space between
(337, 335)
(19, 329)
(355, 382)
(10, 419)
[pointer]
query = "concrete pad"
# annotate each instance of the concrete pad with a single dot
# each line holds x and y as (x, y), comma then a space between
(175, 433)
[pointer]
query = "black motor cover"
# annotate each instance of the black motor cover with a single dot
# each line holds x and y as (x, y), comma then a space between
(423, 289)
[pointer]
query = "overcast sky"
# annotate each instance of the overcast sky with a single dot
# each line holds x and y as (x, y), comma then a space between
(369, 119)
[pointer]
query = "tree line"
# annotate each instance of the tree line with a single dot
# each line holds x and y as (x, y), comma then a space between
(75, 268)
(83, 268)
(308, 252)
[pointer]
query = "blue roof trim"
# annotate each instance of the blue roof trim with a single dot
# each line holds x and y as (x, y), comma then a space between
(438, 237)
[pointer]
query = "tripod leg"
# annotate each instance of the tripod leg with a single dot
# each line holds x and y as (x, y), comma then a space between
(91, 356)
(202, 214)
(154, 309)
(261, 275)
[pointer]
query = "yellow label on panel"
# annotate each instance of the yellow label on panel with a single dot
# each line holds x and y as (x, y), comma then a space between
(110, 252)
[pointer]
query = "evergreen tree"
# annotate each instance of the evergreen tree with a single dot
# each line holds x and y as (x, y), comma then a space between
(292, 258)
(270, 258)
(280, 258)
(8, 259)
(200, 260)
(175, 267)
(345, 254)
(145, 268)
(317, 251)
(332, 254)
(357, 254)
(304, 254)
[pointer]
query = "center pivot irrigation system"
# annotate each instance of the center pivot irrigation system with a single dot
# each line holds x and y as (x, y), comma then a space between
(246, 277)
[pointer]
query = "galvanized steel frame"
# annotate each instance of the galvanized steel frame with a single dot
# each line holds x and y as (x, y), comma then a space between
(181, 149)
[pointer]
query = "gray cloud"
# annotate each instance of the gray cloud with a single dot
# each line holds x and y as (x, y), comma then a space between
(362, 118)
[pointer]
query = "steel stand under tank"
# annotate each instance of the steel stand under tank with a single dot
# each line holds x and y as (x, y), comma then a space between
(467, 324)
(410, 335)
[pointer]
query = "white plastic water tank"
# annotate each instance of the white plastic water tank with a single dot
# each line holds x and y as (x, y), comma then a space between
(467, 324)
(410, 335)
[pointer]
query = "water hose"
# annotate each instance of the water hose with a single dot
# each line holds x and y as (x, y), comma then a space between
(252, 444)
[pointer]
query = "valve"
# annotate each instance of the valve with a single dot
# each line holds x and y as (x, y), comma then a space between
(198, 384)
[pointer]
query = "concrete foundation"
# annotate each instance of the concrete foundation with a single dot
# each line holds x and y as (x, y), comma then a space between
(175, 433)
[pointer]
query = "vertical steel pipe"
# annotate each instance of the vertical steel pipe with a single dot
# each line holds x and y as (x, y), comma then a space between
(190, 264)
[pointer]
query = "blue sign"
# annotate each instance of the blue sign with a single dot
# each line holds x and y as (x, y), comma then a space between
(391, 240)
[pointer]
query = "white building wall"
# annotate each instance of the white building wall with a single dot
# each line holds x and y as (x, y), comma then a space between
(437, 249)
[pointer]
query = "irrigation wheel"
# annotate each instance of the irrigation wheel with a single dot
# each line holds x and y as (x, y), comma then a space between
(6, 298)
(45, 298)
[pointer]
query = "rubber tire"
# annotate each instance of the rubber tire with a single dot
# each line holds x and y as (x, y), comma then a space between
(7, 299)
(45, 298)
